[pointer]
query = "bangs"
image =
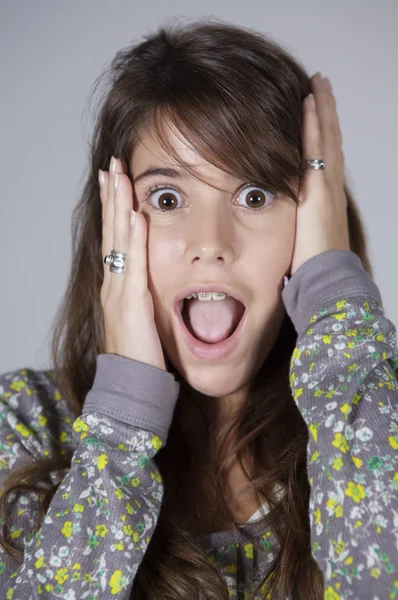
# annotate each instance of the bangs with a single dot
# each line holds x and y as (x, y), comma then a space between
(222, 133)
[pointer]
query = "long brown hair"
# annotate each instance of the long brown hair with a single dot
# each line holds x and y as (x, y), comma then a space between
(237, 97)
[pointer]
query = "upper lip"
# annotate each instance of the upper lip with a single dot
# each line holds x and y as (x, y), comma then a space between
(208, 287)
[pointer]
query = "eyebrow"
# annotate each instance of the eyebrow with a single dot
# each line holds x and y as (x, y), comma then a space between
(166, 171)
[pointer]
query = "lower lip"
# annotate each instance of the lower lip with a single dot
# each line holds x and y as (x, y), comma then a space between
(211, 352)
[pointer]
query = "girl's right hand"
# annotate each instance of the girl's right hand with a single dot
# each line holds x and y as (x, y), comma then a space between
(130, 328)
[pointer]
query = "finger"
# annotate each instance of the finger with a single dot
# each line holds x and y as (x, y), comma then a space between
(312, 148)
(312, 141)
(107, 231)
(338, 137)
(330, 103)
(123, 203)
(328, 124)
(136, 273)
(103, 191)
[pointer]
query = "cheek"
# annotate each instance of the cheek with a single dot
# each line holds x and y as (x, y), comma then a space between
(163, 255)
(271, 251)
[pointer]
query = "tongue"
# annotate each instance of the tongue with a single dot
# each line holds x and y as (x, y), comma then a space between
(214, 320)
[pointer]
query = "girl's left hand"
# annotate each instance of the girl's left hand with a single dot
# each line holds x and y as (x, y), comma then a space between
(321, 220)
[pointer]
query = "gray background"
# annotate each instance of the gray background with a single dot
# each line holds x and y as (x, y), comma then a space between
(51, 54)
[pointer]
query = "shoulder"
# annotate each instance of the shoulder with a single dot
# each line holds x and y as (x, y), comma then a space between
(33, 414)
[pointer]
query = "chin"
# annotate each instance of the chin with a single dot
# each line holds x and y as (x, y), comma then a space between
(215, 380)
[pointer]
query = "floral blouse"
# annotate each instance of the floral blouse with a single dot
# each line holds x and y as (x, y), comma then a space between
(101, 519)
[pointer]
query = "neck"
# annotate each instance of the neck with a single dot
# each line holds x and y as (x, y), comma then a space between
(208, 422)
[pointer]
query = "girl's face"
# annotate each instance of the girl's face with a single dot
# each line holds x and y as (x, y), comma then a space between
(213, 236)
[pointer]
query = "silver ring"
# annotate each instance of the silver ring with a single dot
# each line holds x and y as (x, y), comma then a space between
(115, 260)
(315, 163)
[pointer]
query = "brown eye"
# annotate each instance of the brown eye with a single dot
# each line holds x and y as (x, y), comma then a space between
(166, 201)
(255, 197)
(163, 200)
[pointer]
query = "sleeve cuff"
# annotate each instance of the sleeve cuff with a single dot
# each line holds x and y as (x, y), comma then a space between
(133, 392)
(331, 275)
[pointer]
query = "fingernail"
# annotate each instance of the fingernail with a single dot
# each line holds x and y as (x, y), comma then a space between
(116, 180)
(101, 178)
(132, 217)
(311, 101)
(326, 84)
(317, 78)
(113, 166)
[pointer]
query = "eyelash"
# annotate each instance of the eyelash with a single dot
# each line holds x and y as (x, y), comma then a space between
(164, 186)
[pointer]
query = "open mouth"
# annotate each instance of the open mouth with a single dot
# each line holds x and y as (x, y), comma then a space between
(210, 326)
(214, 323)
(219, 336)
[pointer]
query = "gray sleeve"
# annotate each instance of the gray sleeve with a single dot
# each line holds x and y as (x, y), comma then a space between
(332, 274)
(133, 392)
(343, 382)
(104, 512)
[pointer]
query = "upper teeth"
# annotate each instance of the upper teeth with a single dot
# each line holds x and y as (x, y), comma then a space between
(207, 296)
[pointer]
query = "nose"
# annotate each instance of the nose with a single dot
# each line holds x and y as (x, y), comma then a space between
(211, 238)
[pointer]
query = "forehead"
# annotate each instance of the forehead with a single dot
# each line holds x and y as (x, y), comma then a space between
(149, 153)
